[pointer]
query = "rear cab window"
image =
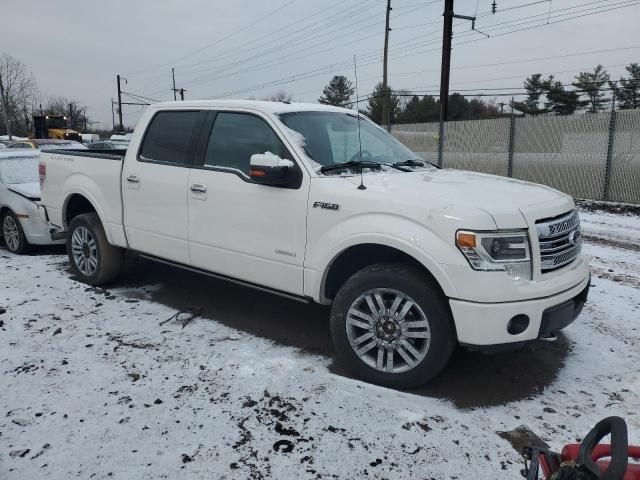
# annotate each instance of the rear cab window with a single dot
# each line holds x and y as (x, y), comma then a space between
(171, 137)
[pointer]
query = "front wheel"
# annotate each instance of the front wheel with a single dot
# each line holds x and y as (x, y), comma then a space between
(392, 326)
(92, 258)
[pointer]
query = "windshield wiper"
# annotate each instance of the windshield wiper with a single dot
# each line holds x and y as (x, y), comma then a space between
(409, 163)
(353, 164)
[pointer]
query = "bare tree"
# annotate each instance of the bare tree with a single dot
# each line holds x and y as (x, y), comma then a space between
(280, 96)
(19, 88)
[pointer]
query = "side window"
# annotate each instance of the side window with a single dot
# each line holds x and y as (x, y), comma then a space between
(168, 137)
(237, 136)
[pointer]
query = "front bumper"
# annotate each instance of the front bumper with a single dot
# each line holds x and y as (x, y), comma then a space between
(487, 324)
(36, 228)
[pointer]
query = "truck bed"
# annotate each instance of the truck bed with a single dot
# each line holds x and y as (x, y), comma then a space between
(92, 174)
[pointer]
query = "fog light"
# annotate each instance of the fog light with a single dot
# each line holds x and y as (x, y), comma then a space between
(518, 324)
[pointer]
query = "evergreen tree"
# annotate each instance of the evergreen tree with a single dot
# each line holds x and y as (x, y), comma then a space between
(591, 85)
(628, 89)
(374, 107)
(338, 92)
(534, 85)
(559, 100)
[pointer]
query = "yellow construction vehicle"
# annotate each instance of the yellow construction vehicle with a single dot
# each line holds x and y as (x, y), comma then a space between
(54, 126)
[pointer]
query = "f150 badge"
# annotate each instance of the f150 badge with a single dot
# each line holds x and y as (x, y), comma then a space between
(327, 206)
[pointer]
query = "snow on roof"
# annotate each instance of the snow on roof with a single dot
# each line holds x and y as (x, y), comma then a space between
(13, 138)
(260, 105)
(13, 153)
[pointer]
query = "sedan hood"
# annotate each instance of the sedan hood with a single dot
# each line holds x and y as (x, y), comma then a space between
(29, 190)
(500, 197)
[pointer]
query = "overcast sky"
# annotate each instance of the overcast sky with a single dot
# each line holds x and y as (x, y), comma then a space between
(252, 48)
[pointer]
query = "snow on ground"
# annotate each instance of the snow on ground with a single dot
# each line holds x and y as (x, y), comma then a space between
(95, 385)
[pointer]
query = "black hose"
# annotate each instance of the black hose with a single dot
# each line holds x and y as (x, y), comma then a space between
(617, 427)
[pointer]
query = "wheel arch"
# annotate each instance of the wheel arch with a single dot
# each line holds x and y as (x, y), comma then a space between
(353, 258)
(76, 204)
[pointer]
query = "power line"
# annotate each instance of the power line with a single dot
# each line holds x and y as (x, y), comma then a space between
(216, 42)
(301, 33)
(292, 43)
(331, 67)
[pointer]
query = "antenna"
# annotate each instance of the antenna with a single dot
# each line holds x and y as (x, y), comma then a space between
(355, 71)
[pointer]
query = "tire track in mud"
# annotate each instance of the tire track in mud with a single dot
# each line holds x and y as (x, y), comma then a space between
(611, 242)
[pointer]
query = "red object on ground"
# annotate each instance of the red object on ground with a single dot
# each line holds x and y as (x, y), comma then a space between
(570, 452)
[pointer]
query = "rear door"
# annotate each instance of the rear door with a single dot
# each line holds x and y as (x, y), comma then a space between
(155, 185)
(238, 228)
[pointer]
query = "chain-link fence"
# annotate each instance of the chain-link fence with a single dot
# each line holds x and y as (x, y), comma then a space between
(595, 156)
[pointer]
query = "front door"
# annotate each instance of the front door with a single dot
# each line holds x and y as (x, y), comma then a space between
(155, 186)
(237, 228)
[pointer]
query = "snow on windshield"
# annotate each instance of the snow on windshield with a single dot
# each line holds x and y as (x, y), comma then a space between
(19, 167)
(301, 142)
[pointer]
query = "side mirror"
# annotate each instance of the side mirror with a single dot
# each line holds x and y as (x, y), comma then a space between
(269, 169)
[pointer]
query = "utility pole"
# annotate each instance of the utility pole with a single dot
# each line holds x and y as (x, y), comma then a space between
(70, 122)
(3, 101)
(173, 75)
(445, 69)
(447, 31)
(501, 105)
(113, 115)
(174, 89)
(120, 104)
(385, 88)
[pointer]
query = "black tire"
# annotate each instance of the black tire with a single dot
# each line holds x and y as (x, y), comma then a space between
(110, 259)
(21, 246)
(413, 283)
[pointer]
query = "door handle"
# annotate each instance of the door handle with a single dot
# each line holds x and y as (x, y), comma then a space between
(133, 179)
(198, 188)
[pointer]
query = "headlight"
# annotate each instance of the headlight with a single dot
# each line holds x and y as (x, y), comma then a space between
(506, 251)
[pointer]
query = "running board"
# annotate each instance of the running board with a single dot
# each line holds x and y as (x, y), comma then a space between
(218, 276)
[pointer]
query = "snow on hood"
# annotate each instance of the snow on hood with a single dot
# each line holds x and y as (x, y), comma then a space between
(19, 169)
(500, 197)
(30, 190)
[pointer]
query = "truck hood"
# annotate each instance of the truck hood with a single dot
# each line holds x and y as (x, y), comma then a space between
(502, 198)
(29, 190)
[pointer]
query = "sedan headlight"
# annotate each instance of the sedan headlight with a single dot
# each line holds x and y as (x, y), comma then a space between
(506, 251)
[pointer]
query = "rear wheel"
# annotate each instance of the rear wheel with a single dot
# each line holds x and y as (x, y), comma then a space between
(13, 234)
(92, 258)
(392, 326)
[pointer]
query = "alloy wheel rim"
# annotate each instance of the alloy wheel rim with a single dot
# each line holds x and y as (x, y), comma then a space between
(84, 250)
(11, 233)
(388, 330)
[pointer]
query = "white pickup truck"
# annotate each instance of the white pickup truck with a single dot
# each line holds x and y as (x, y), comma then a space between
(316, 203)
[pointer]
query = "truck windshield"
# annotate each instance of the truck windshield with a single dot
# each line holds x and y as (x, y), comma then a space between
(332, 138)
(56, 122)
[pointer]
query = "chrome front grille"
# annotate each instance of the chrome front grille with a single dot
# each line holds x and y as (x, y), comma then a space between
(560, 241)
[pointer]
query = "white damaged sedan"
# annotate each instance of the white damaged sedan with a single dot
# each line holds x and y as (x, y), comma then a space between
(19, 201)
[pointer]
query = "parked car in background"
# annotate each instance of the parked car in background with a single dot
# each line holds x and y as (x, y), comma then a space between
(121, 139)
(48, 144)
(89, 137)
(105, 145)
(317, 203)
(19, 201)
